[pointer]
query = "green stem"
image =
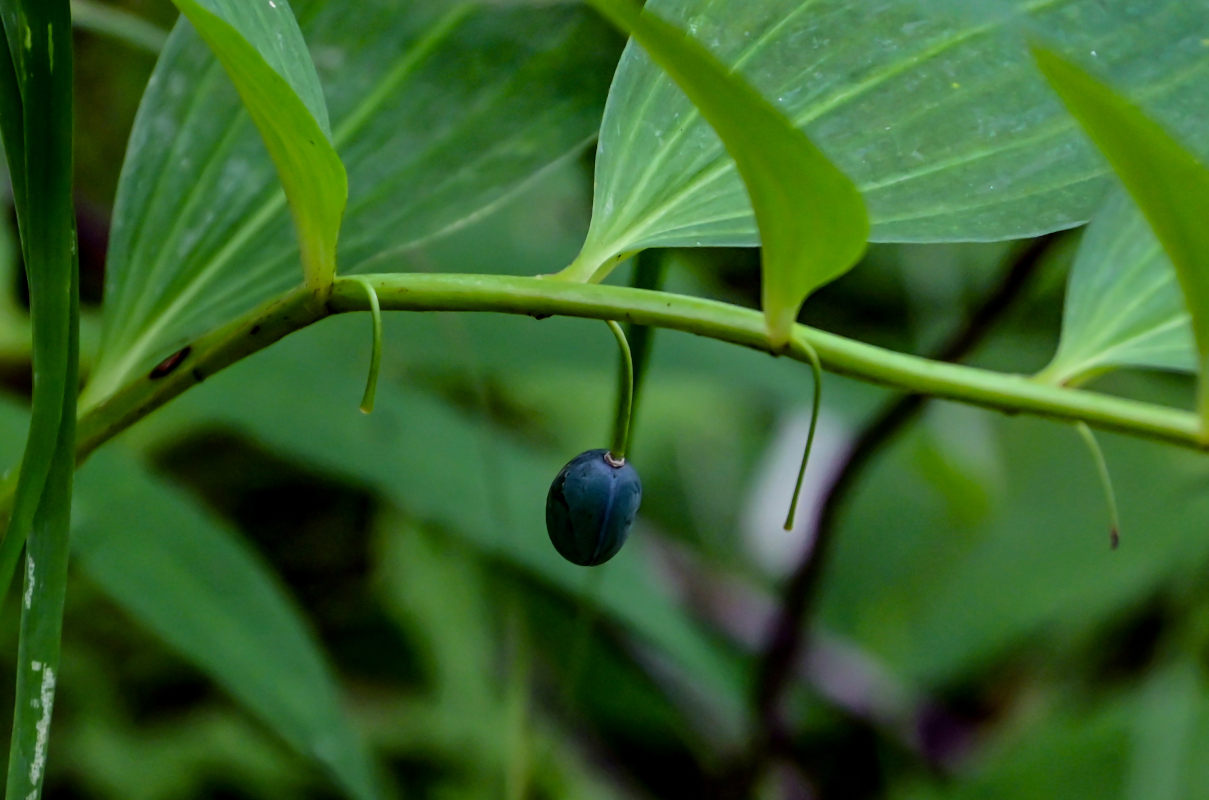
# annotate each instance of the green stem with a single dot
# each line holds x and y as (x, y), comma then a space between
(538, 297)
(625, 395)
(375, 353)
(37, 130)
(817, 367)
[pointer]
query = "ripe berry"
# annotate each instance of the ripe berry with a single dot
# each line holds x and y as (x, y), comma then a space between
(590, 507)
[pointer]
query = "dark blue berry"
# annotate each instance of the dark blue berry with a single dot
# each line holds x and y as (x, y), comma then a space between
(590, 508)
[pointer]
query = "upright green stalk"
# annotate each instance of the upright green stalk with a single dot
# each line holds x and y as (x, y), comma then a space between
(816, 367)
(625, 395)
(37, 83)
(1110, 496)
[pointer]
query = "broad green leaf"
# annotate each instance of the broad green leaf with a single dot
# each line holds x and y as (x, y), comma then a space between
(1123, 305)
(933, 108)
(36, 90)
(438, 114)
(1167, 181)
(261, 48)
(199, 587)
(812, 222)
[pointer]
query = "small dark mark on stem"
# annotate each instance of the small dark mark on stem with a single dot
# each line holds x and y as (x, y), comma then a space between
(255, 330)
(169, 364)
(197, 375)
(540, 317)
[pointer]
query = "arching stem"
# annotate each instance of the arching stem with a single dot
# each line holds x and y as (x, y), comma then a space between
(1105, 480)
(625, 396)
(817, 368)
(375, 357)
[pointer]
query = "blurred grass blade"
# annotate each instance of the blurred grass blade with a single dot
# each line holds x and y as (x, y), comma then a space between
(195, 584)
(1167, 181)
(1123, 306)
(438, 114)
(37, 103)
(261, 47)
(12, 117)
(812, 221)
(1168, 734)
(117, 23)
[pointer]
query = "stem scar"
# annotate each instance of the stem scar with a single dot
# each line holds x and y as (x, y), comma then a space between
(169, 364)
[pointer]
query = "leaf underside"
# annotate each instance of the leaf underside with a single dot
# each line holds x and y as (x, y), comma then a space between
(934, 108)
(438, 115)
(263, 52)
(1167, 181)
(1123, 305)
(812, 220)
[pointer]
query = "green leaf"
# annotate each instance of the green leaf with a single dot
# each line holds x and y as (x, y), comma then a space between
(438, 116)
(1123, 305)
(933, 108)
(262, 50)
(943, 599)
(37, 130)
(199, 587)
(36, 86)
(1168, 733)
(1167, 181)
(117, 23)
(812, 221)
(42, 599)
(1072, 749)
